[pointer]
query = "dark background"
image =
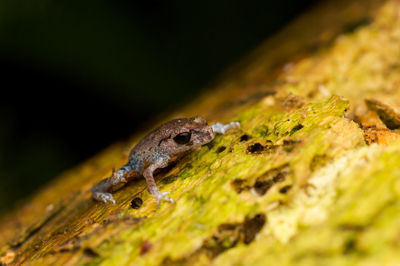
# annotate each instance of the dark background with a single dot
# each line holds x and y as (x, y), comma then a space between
(77, 76)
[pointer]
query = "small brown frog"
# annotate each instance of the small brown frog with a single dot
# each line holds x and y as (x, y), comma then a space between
(156, 150)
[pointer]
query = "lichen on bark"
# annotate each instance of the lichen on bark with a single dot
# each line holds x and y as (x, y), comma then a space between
(311, 178)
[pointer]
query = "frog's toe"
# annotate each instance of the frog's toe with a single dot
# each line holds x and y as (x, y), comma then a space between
(162, 196)
(104, 197)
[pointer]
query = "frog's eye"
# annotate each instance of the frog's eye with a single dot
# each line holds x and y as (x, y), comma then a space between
(183, 138)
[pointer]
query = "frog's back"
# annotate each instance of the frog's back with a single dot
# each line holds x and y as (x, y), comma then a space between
(150, 143)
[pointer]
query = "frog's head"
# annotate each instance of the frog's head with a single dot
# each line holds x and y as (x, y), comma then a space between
(200, 132)
(187, 133)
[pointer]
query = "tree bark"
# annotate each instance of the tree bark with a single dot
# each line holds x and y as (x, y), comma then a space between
(311, 178)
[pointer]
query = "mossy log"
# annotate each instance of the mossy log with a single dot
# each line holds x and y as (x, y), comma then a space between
(311, 178)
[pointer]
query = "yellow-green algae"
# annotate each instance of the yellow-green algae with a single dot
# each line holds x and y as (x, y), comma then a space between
(362, 223)
(338, 202)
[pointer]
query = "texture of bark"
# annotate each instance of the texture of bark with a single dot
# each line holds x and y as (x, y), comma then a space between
(311, 178)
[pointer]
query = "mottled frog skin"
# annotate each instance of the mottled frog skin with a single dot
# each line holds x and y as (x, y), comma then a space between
(160, 147)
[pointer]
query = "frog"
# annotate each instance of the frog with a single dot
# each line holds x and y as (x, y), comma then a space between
(164, 145)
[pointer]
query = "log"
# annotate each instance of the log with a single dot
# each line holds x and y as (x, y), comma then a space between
(311, 178)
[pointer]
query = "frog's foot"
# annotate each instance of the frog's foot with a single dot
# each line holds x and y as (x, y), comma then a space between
(222, 128)
(105, 197)
(162, 196)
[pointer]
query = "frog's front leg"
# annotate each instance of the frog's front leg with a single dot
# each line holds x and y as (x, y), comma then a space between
(99, 191)
(222, 128)
(151, 184)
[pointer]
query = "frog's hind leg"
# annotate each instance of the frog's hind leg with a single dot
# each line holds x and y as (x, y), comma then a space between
(99, 191)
